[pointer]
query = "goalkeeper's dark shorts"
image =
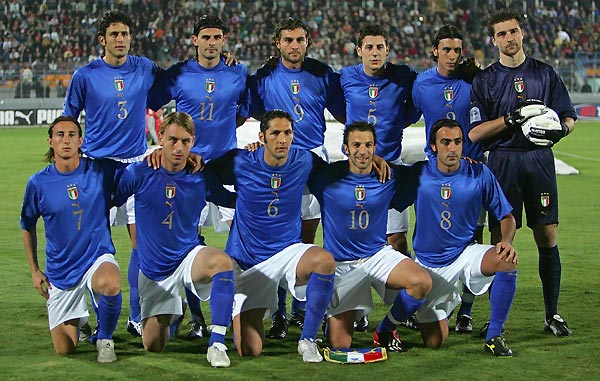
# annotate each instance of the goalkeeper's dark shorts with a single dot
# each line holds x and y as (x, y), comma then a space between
(528, 179)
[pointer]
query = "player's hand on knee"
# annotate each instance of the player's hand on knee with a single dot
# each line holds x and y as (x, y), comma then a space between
(524, 111)
(507, 252)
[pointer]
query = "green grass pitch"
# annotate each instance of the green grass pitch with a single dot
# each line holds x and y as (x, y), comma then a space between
(26, 347)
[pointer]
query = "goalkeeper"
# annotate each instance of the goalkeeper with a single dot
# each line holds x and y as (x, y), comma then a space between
(524, 170)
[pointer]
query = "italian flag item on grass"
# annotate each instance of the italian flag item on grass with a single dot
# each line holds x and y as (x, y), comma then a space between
(355, 355)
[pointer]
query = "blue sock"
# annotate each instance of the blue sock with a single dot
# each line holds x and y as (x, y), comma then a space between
(134, 296)
(194, 305)
(281, 302)
(109, 310)
(298, 305)
(403, 308)
(501, 298)
(550, 270)
(221, 305)
(466, 306)
(318, 295)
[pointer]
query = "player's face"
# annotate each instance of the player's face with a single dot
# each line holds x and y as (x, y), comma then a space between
(277, 140)
(373, 52)
(508, 37)
(176, 143)
(65, 140)
(292, 45)
(360, 150)
(448, 145)
(448, 52)
(209, 44)
(116, 43)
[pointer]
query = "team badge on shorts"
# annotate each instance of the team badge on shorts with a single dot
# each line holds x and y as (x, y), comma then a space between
(519, 85)
(545, 200)
(448, 95)
(170, 191)
(360, 193)
(373, 91)
(295, 86)
(119, 84)
(209, 85)
(446, 191)
(275, 181)
(72, 192)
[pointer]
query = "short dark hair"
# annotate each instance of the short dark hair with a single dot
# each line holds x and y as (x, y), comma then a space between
(450, 123)
(110, 18)
(49, 157)
(274, 114)
(502, 15)
(359, 126)
(289, 23)
(209, 21)
(371, 30)
(181, 119)
(446, 31)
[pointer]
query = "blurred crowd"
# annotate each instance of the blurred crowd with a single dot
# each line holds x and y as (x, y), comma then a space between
(57, 36)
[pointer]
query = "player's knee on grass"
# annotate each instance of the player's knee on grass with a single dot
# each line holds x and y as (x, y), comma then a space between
(434, 334)
(65, 337)
(156, 333)
(340, 330)
(249, 332)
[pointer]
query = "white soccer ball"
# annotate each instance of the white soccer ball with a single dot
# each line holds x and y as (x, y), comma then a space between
(546, 121)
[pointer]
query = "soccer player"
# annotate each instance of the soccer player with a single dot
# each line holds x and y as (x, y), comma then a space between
(112, 90)
(524, 170)
(210, 91)
(448, 196)
(73, 197)
(168, 205)
(354, 207)
(444, 91)
(264, 239)
(304, 87)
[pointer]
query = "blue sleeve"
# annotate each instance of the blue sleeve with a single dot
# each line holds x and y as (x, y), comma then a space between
(336, 103)
(244, 100)
(126, 187)
(75, 98)
(30, 212)
(215, 192)
(411, 112)
(494, 200)
(255, 104)
(407, 183)
(161, 91)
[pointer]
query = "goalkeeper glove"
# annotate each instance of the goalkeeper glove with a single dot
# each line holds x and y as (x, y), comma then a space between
(524, 111)
(553, 135)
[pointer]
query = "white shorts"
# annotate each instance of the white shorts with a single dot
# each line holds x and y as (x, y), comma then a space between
(164, 297)
(354, 279)
(445, 291)
(311, 209)
(257, 286)
(398, 222)
(65, 305)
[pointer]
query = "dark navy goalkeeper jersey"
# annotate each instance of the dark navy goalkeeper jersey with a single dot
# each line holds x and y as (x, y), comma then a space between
(498, 90)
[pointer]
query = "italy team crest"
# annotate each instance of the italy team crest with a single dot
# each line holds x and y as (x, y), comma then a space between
(72, 192)
(446, 191)
(373, 91)
(360, 193)
(209, 85)
(545, 200)
(170, 191)
(519, 85)
(119, 84)
(448, 95)
(275, 181)
(295, 87)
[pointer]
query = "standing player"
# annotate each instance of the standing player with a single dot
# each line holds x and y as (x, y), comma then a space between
(112, 90)
(73, 196)
(444, 91)
(264, 239)
(168, 205)
(525, 170)
(210, 92)
(303, 87)
(354, 207)
(448, 197)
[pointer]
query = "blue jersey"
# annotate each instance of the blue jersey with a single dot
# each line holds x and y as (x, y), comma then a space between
(384, 101)
(304, 93)
(438, 97)
(353, 209)
(114, 100)
(447, 207)
(75, 208)
(268, 205)
(167, 212)
(210, 96)
(498, 90)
